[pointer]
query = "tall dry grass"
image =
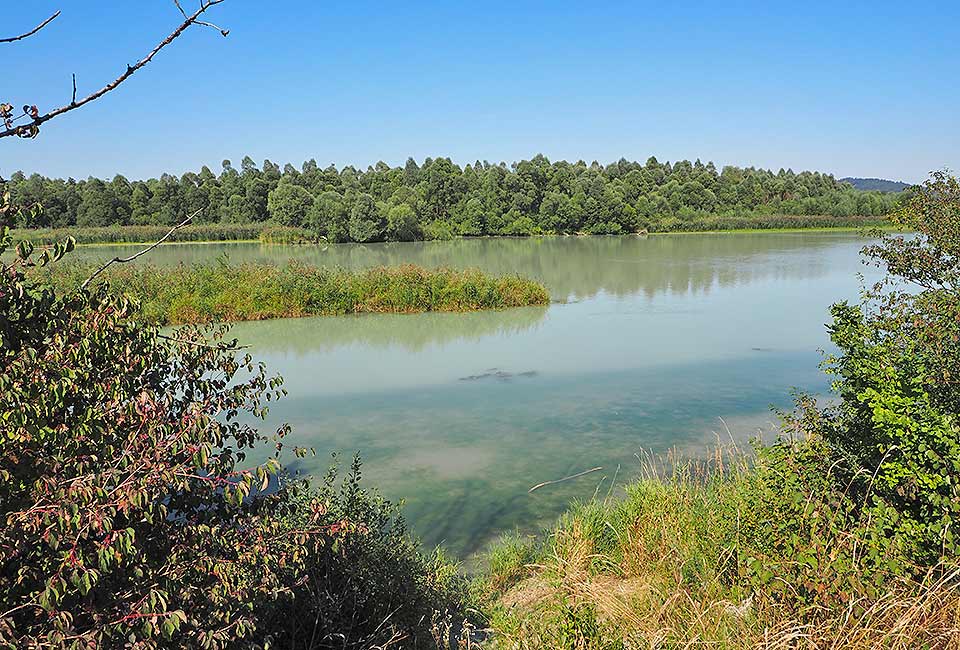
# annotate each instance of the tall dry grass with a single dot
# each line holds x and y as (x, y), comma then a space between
(663, 567)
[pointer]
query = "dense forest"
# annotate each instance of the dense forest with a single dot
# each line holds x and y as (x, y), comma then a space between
(440, 199)
(876, 184)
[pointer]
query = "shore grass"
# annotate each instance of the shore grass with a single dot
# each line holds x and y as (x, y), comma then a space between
(288, 235)
(675, 563)
(763, 223)
(223, 293)
(268, 233)
(141, 234)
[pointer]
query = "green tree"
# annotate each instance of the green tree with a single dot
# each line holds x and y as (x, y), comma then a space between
(366, 224)
(98, 206)
(289, 204)
(402, 224)
(328, 216)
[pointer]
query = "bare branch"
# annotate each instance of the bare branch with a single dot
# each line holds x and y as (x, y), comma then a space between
(32, 31)
(566, 478)
(30, 130)
(220, 347)
(124, 260)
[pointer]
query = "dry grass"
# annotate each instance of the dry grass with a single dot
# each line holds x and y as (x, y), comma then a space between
(658, 569)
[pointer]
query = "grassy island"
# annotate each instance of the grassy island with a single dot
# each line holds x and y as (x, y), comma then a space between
(220, 292)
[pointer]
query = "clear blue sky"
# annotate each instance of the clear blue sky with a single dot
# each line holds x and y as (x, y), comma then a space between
(852, 88)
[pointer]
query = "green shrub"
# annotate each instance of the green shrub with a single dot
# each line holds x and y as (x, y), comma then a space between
(895, 430)
(364, 585)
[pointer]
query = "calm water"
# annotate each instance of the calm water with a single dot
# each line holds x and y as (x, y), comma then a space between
(650, 343)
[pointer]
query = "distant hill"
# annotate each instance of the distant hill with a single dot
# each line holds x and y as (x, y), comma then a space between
(876, 184)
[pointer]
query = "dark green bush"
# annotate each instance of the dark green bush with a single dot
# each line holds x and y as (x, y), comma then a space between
(364, 585)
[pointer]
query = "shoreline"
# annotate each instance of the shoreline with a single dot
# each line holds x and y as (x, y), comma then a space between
(723, 231)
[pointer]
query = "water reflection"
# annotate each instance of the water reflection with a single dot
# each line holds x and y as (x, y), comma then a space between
(572, 267)
(302, 336)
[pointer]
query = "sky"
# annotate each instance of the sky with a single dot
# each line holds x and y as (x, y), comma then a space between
(850, 88)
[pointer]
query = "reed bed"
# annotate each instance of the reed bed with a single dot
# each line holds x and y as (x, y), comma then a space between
(141, 234)
(268, 233)
(288, 235)
(222, 293)
(712, 223)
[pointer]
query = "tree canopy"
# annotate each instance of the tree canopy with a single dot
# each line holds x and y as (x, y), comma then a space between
(441, 198)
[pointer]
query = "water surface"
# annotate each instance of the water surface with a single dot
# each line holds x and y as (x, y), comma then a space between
(653, 343)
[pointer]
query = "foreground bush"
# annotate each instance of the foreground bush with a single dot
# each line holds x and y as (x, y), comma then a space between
(218, 292)
(364, 585)
(131, 517)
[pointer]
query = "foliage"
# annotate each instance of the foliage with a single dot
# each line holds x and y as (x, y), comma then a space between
(288, 204)
(131, 516)
(895, 429)
(439, 199)
(370, 588)
(124, 510)
(221, 292)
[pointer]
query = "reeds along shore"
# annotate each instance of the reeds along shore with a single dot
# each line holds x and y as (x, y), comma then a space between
(268, 233)
(222, 293)
(685, 559)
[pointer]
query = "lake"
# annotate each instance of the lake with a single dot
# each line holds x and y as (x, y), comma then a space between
(671, 342)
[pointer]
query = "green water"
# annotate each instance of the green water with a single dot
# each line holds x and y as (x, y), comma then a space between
(651, 341)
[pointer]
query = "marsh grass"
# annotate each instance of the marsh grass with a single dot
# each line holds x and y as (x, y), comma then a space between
(268, 233)
(689, 558)
(221, 292)
(760, 222)
(141, 234)
(288, 235)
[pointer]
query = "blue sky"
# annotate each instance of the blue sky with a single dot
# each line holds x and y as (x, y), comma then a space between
(851, 88)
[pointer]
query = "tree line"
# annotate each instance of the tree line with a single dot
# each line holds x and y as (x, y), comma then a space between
(439, 199)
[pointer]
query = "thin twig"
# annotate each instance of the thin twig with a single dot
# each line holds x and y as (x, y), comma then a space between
(33, 31)
(223, 347)
(190, 20)
(561, 480)
(124, 260)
